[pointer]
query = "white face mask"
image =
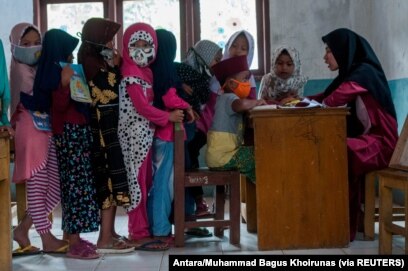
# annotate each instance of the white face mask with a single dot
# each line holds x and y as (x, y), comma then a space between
(142, 56)
(27, 55)
(107, 53)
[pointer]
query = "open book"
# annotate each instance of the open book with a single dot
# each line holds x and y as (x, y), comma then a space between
(78, 85)
(304, 103)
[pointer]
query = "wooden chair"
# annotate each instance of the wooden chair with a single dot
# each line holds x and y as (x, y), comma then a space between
(390, 179)
(201, 177)
(394, 177)
(371, 209)
(398, 161)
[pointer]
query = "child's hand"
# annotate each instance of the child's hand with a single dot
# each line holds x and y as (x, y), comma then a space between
(190, 115)
(117, 58)
(66, 74)
(187, 89)
(288, 100)
(176, 115)
(285, 95)
(261, 102)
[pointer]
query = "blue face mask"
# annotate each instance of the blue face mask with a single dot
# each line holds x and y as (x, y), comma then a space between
(27, 55)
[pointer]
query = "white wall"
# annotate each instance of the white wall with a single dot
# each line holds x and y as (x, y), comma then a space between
(12, 13)
(302, 23)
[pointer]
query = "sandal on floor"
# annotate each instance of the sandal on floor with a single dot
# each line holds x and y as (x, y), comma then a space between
(26, 251)
(117, 246)
(61, 250)
(199, 232)
(88, 243)
(155, 245)
(82, 251)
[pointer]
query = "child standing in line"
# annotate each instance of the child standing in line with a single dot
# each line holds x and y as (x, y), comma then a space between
(73, 139)
(137, 117)
(224, 146)
(195, 73)
(285, 79)
(101, 66)
(165, 98)
(35, 158)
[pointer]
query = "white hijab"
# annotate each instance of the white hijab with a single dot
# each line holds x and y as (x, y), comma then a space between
(214, 84)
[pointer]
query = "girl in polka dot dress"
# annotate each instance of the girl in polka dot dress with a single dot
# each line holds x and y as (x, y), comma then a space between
(137, 120)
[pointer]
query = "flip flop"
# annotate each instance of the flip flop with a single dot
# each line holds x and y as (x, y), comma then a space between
(117, 246)
(61, 250)
(153, 246)
(26, 251)
(199, 232)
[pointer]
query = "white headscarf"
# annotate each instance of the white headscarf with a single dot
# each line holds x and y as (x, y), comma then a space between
(214, 84)
(272, 85)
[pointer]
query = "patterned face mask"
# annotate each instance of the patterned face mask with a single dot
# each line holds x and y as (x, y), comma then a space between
(142, 56)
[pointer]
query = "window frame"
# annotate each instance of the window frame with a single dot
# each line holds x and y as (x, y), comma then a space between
(189, 25)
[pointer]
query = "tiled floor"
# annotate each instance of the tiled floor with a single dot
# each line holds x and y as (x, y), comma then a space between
(142, 260)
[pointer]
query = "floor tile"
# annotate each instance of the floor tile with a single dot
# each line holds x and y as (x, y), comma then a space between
(146, 260)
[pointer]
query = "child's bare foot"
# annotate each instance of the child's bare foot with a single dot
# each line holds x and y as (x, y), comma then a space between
(51, 244)
(20, 235)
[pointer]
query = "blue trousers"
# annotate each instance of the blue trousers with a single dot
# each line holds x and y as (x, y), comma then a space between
(160, 197)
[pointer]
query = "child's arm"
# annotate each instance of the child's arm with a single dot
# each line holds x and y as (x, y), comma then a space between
(173, 101)
(61, 96)
(242, 105)
(153, 114)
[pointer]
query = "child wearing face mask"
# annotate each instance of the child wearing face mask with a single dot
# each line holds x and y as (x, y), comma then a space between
(35, 162)
(285, 82)
(101, 67)
(225, 137)
(137, 120)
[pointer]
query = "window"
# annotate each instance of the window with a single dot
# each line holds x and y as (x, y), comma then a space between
(71, 17)
(221, 18)
(189, 20)
(159, 14)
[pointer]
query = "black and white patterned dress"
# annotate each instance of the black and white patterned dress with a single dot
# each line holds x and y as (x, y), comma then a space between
(135, 137)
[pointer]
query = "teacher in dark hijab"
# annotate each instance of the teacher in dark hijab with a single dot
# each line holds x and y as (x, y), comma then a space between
(362, 86)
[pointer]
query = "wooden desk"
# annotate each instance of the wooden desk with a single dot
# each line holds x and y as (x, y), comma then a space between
(301, 178)
(5, 203)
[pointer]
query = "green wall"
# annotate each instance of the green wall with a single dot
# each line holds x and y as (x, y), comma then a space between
(399, 92)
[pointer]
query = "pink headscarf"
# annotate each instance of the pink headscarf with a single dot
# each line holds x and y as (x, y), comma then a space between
(137, 31)
(21, 75)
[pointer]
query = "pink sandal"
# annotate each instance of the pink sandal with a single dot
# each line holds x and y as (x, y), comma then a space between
(88, 243)
(82, 251)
